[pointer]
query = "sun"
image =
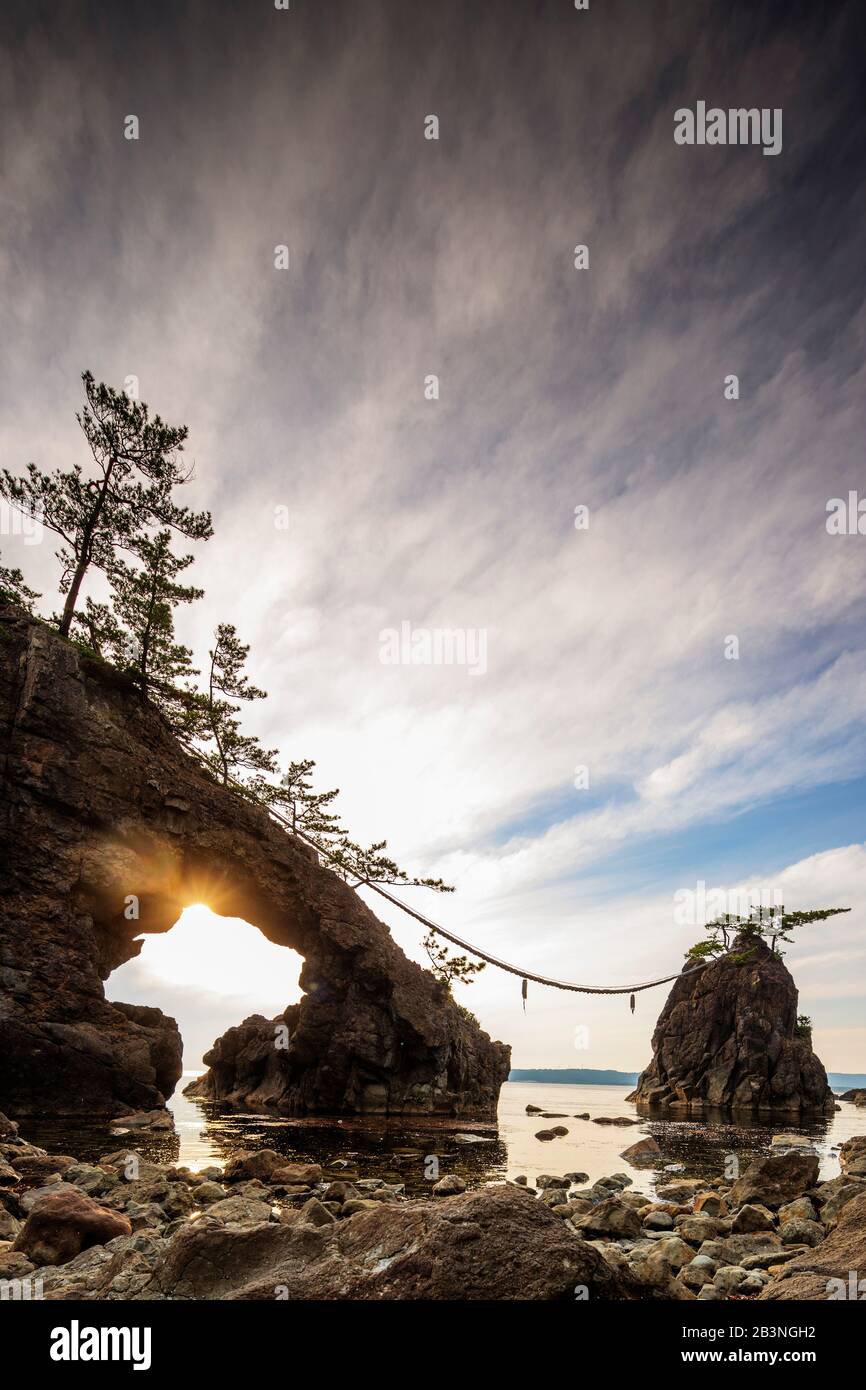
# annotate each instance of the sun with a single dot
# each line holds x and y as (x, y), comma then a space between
(221, 955)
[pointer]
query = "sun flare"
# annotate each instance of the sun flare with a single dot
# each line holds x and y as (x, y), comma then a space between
(222, 955)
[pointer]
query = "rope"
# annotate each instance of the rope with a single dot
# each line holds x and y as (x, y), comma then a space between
(458, 940)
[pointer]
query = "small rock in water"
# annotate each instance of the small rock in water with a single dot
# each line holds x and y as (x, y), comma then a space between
(643, 1154)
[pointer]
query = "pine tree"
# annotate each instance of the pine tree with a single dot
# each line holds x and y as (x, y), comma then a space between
(773, 925)
(448, 968)
(137, 468)
(144, 603)
(14, 590)
(306, 809)
(233, 752)
(96, 627)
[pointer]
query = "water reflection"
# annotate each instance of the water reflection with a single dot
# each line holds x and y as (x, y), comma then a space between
(415, 1152)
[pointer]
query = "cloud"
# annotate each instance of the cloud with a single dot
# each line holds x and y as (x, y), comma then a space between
(559, 388)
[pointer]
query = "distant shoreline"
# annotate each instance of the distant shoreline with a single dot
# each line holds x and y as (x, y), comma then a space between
(839, 1081)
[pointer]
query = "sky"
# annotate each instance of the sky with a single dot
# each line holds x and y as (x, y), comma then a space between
(664, 690)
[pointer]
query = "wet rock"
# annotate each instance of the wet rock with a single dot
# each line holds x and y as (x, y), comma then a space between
(341, 1192)
(533, 1109)
(145, 1119)
(577, 1177)
(621, 1120)
(545, 1180)
(545, 1135)
(644, 1154)
(62, 1224)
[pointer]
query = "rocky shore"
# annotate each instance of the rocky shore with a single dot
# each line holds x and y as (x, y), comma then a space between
(264, 1228)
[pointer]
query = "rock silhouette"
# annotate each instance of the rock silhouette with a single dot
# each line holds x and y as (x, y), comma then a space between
(108, 830)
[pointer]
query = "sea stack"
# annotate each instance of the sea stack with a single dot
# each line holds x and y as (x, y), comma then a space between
(727, 1040)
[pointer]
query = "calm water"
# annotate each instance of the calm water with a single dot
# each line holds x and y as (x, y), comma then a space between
(378, 1148)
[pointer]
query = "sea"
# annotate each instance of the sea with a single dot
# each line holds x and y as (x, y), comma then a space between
(416, 1152)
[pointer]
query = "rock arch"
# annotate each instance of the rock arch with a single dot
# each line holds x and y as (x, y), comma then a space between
(101, 806)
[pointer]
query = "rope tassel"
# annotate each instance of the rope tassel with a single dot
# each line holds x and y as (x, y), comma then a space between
(524, 990)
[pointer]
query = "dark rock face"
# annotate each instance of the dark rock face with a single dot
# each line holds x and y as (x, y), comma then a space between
(103, 815)
(725, 1040)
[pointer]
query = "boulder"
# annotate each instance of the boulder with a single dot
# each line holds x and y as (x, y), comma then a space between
(726, 1040)
(239, 1211)
(494, 1243)
(710, 1204)
(449, 1186)
(775, 1179)
(260, 1163)
(832, 1196)
(798, 1231)
(752, 1218)
(826, 1272)
(852, 1157)
(610, 1217)
(61, 1225)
